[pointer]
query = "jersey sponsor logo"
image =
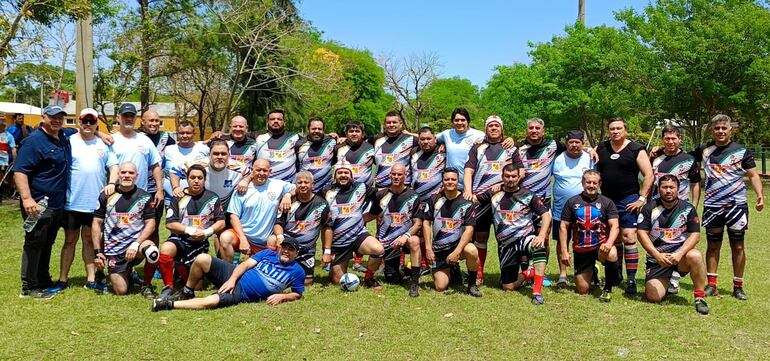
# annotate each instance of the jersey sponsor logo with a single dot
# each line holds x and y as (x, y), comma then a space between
(276, 154)
(228, 183)
(398, 218)
(448, 224)
(344, 208)
(468, 140)
(425, 175)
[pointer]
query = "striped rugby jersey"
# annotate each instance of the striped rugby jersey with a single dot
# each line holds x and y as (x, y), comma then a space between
(200, 211)
(124, 214)
(724, 168)
(538, 165)
(317, 158)
(512, 213)
(304, 222)
(669, 228)
(397, 211)
(389, 151)
(449, 218)
(347, 208)
(280, 150)
(359, 158)
(683, 166)
(426, 170)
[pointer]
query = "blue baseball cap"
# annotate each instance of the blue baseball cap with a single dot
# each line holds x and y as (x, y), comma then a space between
(127, 108)
(53, 110)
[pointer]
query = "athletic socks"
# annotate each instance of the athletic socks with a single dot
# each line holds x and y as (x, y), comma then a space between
(472, 275)
(368, 275)
(183, 272)
(610, 275)
(528, 274)
(737, 282)
(675, 276)
(631, 256)
(166, 267)
(711, 279)
(415, 275)
(359, 259)
(482, 247)
(149, 271)
(537, 287)
(699, 293)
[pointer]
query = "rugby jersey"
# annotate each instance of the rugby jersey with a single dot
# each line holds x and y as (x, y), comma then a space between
(488, 161)
(161, 140)
(669, 228)
(317, 158)
(426, 172)
(397, 211)
(347, 207)
(359, 158)
(199, 211)
(280, 150)
(724, 167)
(589, 221)
(683, 166)
(304, 222)
(538, 165)
(124, 214)
(512, 213)
(389, 151)
(449, 218)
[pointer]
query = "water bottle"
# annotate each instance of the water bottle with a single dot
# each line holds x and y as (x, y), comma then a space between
(236, 258)
(31, 221)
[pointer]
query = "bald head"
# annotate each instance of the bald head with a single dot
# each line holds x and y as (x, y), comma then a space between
(261, 171)
(127, 175)
(151, 122)
(397, 175)
(238, 127)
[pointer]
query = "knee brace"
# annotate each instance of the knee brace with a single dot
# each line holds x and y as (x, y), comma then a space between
(151, 253)
(538, 255)
(735, 235)
(714, 237)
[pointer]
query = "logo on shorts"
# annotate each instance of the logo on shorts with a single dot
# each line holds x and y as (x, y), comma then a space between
(111, 263)
(640, 219)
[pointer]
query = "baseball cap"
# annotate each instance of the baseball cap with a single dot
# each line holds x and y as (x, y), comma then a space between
(127, 108)
(53, 110)
(89, 113)
(493, 118)
(291, 242)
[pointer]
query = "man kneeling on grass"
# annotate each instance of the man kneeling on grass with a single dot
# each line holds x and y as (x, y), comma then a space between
(264, 276)
(669, 230)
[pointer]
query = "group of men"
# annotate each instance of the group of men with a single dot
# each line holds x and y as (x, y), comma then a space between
(271, 195)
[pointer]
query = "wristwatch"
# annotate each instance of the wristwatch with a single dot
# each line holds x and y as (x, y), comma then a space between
(643, 199)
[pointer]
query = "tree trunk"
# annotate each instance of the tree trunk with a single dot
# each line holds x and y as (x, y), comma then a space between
(582, 11)
(201, 103)
(144, 77)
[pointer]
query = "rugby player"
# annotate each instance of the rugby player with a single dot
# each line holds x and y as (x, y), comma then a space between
(483, 170)
(355, 153)
(514, 210)
(348, 200)
(426, 165)
(263, 277)
(725, 204)
(669, 230)
(121, 229)
(447, 228)
(392, 147)
(191, 219)
(243, 149)
(308, 214)
(315, 154)
(278, 146)
(592, 219)
(620, 162)
(398, 206)
(252, 214)
(568, 169)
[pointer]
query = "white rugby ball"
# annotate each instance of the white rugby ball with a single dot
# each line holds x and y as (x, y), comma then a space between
(349, 282)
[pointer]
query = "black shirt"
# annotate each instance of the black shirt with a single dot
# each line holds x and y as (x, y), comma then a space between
(620, 173)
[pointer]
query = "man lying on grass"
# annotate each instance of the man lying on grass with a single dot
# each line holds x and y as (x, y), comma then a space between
(264, 276)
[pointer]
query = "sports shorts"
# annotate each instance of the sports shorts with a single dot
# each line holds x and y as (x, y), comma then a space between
(627, 219)
(735, 217)
(653, 270)
(187, 250)
(306, 260)
(510, 255)
(584, 261)
(343, 254)
(219, 272)
(74, 220)
(119, 263)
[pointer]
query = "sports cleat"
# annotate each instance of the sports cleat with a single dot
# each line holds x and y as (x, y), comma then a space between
(631, 288)
(537, 300)
(711, 291)
(148, 291)
(168, 292)
(474, 291)
(373, 284)
(701, 306)
(673, 288)
(24, 293)
(41, 294)
(414, 290)
(161, 304)
(606, 296)
(562, 283)
(98, 287)
(135, 279)
(186, 296)
(359, 267)
(424, 271)
(58, 287)
(739, 294)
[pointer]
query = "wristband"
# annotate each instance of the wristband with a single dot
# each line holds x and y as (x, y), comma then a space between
(327, 251)
(189, 230)
(280, 237)
(134, 246)
(208, 232)
(643, 199)
(408, 235)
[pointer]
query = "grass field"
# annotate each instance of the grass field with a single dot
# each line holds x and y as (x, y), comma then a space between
(330, 324)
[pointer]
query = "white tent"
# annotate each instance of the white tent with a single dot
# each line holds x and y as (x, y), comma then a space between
(11, 108)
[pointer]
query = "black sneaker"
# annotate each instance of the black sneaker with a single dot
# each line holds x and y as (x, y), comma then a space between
(739, 294)
(167, 292)
(148, 292)
(424, 271)
(186, 295)
(58, 287)
(474, 291)
(41, 294)
(631, 288)
(160, 304)
(537, 300)
(24, 293)
(711, 291)
(414, 290)
(701, 306)
(373, 284)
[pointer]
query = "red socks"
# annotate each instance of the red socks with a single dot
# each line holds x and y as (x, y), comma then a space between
(737, 282)
(482, 259)
(368, 275)
(699, 293)
(166, 266)
(537, 287)
(149, 271)
(712, 279)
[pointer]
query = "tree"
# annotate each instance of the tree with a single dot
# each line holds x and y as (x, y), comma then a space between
(443, 95)
(408, 78)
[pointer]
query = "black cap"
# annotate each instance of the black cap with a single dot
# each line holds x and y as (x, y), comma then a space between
(291, 242)
(575, 134)
(127, 108)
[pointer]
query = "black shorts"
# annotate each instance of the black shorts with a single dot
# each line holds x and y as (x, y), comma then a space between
(119, 263)
(483, 218)
(584, 261)
(537, 220)
(186, 250)
(653, 270)
(219, 272)
(735, 217)
(343, 254)
(306, 260)
(440, 258)
(394, 253)
(556, 231)
(510, 258)
(74, 220)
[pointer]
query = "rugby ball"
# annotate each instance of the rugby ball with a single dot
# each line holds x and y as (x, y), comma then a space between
(349, 282)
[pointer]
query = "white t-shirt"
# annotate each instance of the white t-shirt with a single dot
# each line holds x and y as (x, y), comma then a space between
(91, 161)
(139, 150)
(457, 148)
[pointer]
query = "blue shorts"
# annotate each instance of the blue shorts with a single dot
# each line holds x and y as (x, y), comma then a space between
(626, 218)
(219, 272)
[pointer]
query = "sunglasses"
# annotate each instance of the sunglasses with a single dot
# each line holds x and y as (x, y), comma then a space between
(88, 120)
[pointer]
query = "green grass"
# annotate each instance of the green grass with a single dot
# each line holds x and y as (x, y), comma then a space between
(330, 324)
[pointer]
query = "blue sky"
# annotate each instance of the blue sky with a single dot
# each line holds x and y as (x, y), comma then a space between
(470, 37)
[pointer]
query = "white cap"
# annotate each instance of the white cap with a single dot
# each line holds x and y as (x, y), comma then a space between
(493, 118)
(89, 112)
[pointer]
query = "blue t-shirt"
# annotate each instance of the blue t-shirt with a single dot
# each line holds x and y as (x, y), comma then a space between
(7, 144)
(15, 131)
(457, 147)
(567, 179)
(270, 276)
(257, 208)
(46, 162)
(88, 174)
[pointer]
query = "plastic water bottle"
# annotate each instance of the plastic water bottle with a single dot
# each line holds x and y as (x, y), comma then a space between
(236, 258)
(31, 221)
